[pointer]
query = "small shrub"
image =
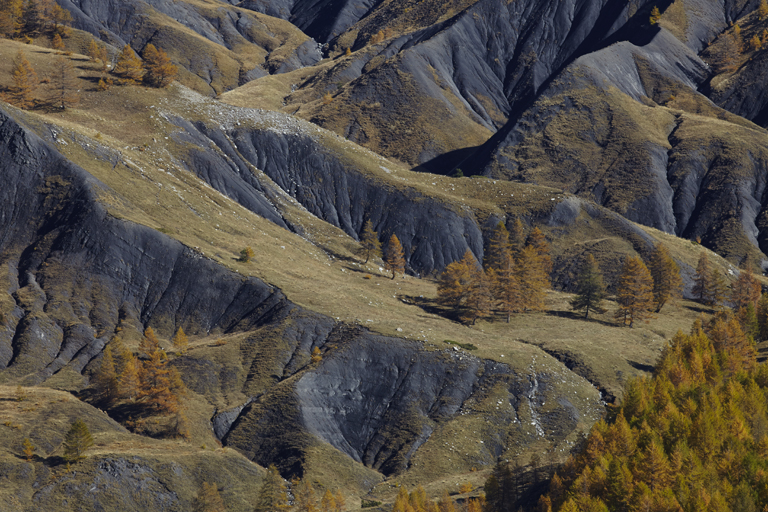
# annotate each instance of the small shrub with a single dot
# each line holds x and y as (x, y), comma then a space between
(465, 346)
(327, 99)
(220, 342)
(246, 255)
(458, 174)
(348, 52)
(369, 503)
(317, 356)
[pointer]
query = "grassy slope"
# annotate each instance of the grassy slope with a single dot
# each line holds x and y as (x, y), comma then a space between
(123, 126)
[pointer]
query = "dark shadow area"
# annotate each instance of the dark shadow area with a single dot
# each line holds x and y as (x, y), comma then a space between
(446, 163)
(640, 366)
(579, 316)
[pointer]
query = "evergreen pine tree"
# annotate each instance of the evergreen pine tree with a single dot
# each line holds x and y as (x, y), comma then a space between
(129, 67)
(272, 496)
(209, 499)
(590, 290)
(160, 71)
(667, 282)
(634, 293)
(64, 84)
(77, 441)
(369, 242)
(180, 341)
(394, 258)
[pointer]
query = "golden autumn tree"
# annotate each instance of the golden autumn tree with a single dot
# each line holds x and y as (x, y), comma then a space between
(208, 499)
(129, 67)
(328, 502)
(537, 240)
(11, 17)
(667, 282)
(498, 248)
(160, 71)
(746, 290)
(464, 287)
(273, 495)
(533, 279)
(106, 380)
(370, 245)
(634, 294)
(304, 495)
(517, 238)
(708, 284)
(25, 82)
(394, 257)
(762, 9)
(180, 341)
(505, 286)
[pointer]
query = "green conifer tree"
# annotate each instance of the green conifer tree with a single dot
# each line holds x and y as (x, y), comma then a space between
(77, 441)
(590, 290)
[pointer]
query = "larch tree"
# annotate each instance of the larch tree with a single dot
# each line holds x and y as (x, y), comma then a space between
(28, 449)
(537, 240)
(304, 494)
(590, 290)
(63, 93)
(667, 282)
(209, 500)
(394, 257)
(77, 441)
(57, 43)
(106, 379)
(708, 285)
(129, 67)
(634, 293)
(328, 502)
(464, 287)
(160, 71)
(273, 495)
(129, 381)
(746, 290)
(498, 248)
(341, 502)
(60, 18)
(24, 82)
(533, 279)
(180, 341)
(517, 238)
(149, 343)
(728, 53)
(369, 242)
(505, 285)
(762, 9)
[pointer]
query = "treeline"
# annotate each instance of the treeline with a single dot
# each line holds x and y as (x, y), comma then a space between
(137, 387)
(693, 437)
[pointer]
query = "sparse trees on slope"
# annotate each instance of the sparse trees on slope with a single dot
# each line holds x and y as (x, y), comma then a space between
(667, 282)
(305, 495)
(590, 290)
(709, 285)
(634, 293)
(129, 67)
(272, 496)
(160, 71)
(77, 441)
(394, 257)
(369, 242)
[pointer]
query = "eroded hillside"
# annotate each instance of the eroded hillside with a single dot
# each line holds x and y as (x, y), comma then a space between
(129, 210)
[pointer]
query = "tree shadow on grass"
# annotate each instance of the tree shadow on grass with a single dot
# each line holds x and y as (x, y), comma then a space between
(578, 316)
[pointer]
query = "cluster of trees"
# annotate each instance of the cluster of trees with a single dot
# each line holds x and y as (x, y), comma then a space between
(370, 247)
(26, 19)
(145, 381)
(417, 501)
(732, 44)
(273, 496)
(60, 94)
(639, 291)
(155, 70)
(692, 437)
(514, 278)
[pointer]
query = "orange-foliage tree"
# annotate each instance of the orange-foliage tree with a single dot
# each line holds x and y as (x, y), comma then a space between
(533, 279)
(667, 282)
(129, 67)
(634, 294)
(746, 290)
(465, 288)
(160, 71)
(24, 82)
(394, 257)
(537, 240)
